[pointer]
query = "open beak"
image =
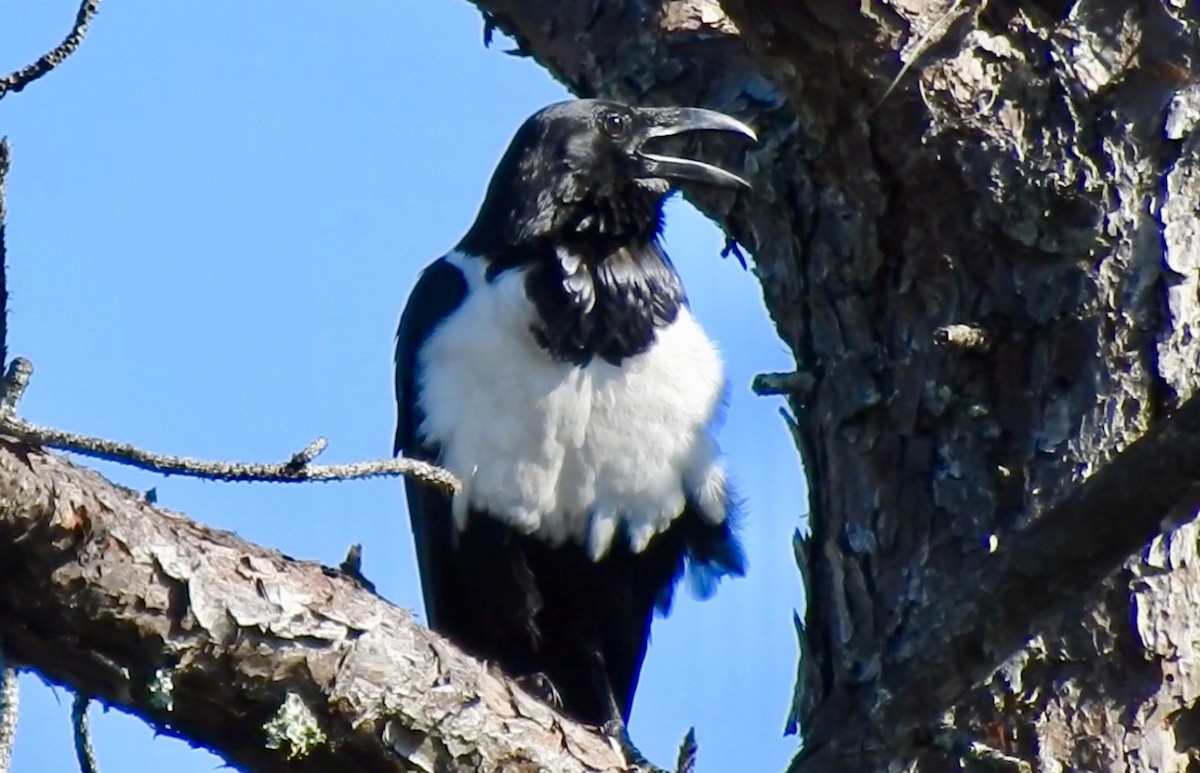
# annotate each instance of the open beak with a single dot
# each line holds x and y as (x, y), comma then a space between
(669, 121)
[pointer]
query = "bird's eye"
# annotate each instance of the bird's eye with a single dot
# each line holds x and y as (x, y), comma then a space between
(614, 124)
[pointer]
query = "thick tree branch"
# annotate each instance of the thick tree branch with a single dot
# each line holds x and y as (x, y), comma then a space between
(275, 664)
(1007, 593)
(19, 79)
(1005, 596)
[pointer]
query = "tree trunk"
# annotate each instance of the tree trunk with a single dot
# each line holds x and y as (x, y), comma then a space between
(990, 281)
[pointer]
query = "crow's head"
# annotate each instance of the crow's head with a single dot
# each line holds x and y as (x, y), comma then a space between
(592, 169)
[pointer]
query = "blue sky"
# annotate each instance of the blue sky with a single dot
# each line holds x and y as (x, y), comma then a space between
(216, 212)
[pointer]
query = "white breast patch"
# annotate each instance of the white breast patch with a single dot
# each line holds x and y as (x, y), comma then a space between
(562, 451)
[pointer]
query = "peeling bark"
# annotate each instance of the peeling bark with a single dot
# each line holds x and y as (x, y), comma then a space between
(273, 663)
(1034, 178)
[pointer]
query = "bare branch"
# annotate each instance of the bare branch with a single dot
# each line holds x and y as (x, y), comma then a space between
(285, 472)
(19, 79)
(9, 705)
(295, 470)
(84, 751)
(190, 627)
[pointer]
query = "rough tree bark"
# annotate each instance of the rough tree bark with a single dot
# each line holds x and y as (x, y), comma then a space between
(991, 286)
(990, 283)
(273, 663)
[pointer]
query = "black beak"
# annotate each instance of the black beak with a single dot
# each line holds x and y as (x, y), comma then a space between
(668, 121)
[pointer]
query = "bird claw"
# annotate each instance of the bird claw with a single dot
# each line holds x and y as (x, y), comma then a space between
(539, 686)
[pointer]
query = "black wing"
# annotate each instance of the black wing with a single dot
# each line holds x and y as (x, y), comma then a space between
(440, 290)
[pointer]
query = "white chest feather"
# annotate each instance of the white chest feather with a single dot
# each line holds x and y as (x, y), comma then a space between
(568, 452)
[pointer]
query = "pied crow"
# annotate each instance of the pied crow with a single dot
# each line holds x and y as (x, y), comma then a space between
(550, 361)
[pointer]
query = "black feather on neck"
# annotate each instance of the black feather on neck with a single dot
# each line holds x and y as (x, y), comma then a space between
(596, 297)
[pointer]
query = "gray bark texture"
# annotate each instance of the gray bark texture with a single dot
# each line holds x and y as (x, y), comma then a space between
(275, 664)
(990, 281)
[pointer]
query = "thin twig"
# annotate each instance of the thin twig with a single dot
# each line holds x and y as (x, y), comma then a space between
(295, 470)
(311, 451)
(3, 256)
(19, 79)
(124, 453)
(83, 735)
(8, 712)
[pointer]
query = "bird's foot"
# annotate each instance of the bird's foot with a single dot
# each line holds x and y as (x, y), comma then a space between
(539, 686)
(634, 759)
